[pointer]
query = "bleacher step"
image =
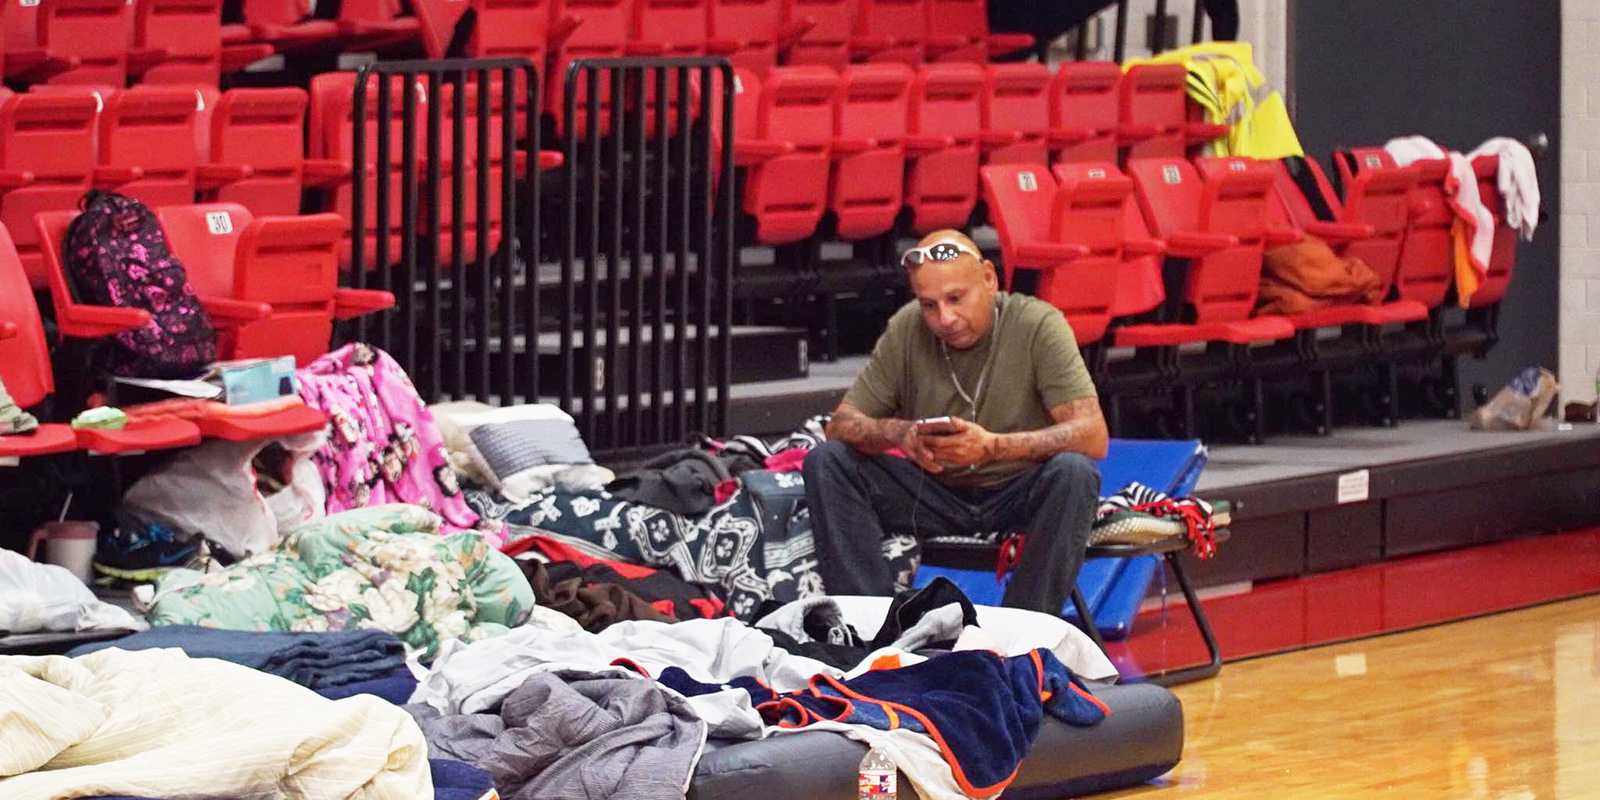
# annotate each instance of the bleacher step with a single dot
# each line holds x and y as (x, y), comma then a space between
(759, 353)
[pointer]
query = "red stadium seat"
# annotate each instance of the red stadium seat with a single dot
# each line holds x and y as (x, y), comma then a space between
(25, 57)
(289, 264)
(1153, 120)
(262, 130)
(1139, 288)
(1425, 267)
(599, 29)
(1218, 225)
(748, 147)
(822, 31)
(1503, 255)
(676, 27)
(94, 34)
(747, 32)
(942, 148)
(1381, 198)
(869, 149)
(81, 321)
(147, 145)
(180, 42)
(958, 30)
(1083, 111)
(47, 162)
(331, 136)
(890, 30)
(504, 28)
(1071, 235)
(367, 25)
(786, 194)
(287, 25)
(1016, 114)
(25, 359)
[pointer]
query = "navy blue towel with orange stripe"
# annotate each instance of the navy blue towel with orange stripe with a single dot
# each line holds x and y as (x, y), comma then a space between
(982, 709)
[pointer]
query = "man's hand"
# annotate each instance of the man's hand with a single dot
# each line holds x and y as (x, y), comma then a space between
(916, 447)
(969, 445)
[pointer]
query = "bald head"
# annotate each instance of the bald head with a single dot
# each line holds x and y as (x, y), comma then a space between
(957, 295)
(948, 235)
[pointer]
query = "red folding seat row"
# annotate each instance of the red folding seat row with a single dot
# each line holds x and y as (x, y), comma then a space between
(30, 377)
(896, 138)
(1425, 267)
(862, 146)
(1424, 270)
(946, 121)
(1071, 235)
(1369, 224)
(158, 144)
(1154, 120)
(331, 133)
(289, 264)
(269, 285)
(290, 25)
(835, 32)
(1098, 260)
(109, 42)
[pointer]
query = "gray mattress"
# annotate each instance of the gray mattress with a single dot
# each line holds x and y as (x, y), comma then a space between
(1141, 740)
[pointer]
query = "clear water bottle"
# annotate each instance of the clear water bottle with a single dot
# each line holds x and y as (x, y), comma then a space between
(876, 780)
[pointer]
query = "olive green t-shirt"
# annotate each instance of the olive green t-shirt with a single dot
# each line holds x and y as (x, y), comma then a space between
(1036, 367)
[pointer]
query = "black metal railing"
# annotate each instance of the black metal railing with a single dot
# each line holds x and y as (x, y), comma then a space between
(648, 254)
(621, 314)
(456, 308)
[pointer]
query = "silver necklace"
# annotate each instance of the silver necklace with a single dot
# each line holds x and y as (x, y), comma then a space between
(983, 374)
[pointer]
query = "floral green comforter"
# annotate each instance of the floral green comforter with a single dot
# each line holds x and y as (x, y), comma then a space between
(383, 567)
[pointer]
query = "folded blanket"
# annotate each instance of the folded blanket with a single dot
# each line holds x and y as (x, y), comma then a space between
(396, 687)
(313, 660)
(382, 567)
(158, 723)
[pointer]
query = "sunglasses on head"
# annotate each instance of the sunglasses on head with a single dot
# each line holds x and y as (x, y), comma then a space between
(938, 251)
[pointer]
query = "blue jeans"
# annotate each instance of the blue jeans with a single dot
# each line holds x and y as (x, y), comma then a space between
(854, 498)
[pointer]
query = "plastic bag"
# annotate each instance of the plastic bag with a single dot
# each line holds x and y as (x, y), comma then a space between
(210, 491)
(1520, 405)
(44, 597)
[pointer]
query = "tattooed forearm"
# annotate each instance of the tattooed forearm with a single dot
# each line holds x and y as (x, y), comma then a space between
(1079, 428)
(867, 434)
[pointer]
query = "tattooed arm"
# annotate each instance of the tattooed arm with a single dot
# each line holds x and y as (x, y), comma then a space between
(873, 436)
(1079, 428)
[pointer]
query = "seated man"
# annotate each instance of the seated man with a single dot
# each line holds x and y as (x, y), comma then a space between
(1024, 422)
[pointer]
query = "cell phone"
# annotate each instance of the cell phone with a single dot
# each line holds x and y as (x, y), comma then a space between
(936, 426)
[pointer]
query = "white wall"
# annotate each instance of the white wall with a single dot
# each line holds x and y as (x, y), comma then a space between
(1580, 198)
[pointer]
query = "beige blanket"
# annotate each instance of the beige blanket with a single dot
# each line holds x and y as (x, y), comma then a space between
(156, 723)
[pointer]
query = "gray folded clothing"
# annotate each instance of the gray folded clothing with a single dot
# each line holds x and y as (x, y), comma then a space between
(313, 660)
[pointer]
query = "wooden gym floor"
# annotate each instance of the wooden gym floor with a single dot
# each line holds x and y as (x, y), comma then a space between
(1502, 707)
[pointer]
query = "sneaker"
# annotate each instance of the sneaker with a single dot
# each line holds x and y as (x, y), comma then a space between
(139, 550)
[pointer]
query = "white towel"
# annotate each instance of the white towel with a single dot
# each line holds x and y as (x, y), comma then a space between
(1462, 189)
(1517, 181)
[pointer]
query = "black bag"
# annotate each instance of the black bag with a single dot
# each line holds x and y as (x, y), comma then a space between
(116, 254)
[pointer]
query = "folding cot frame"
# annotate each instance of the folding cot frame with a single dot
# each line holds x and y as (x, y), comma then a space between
(1175, 468)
